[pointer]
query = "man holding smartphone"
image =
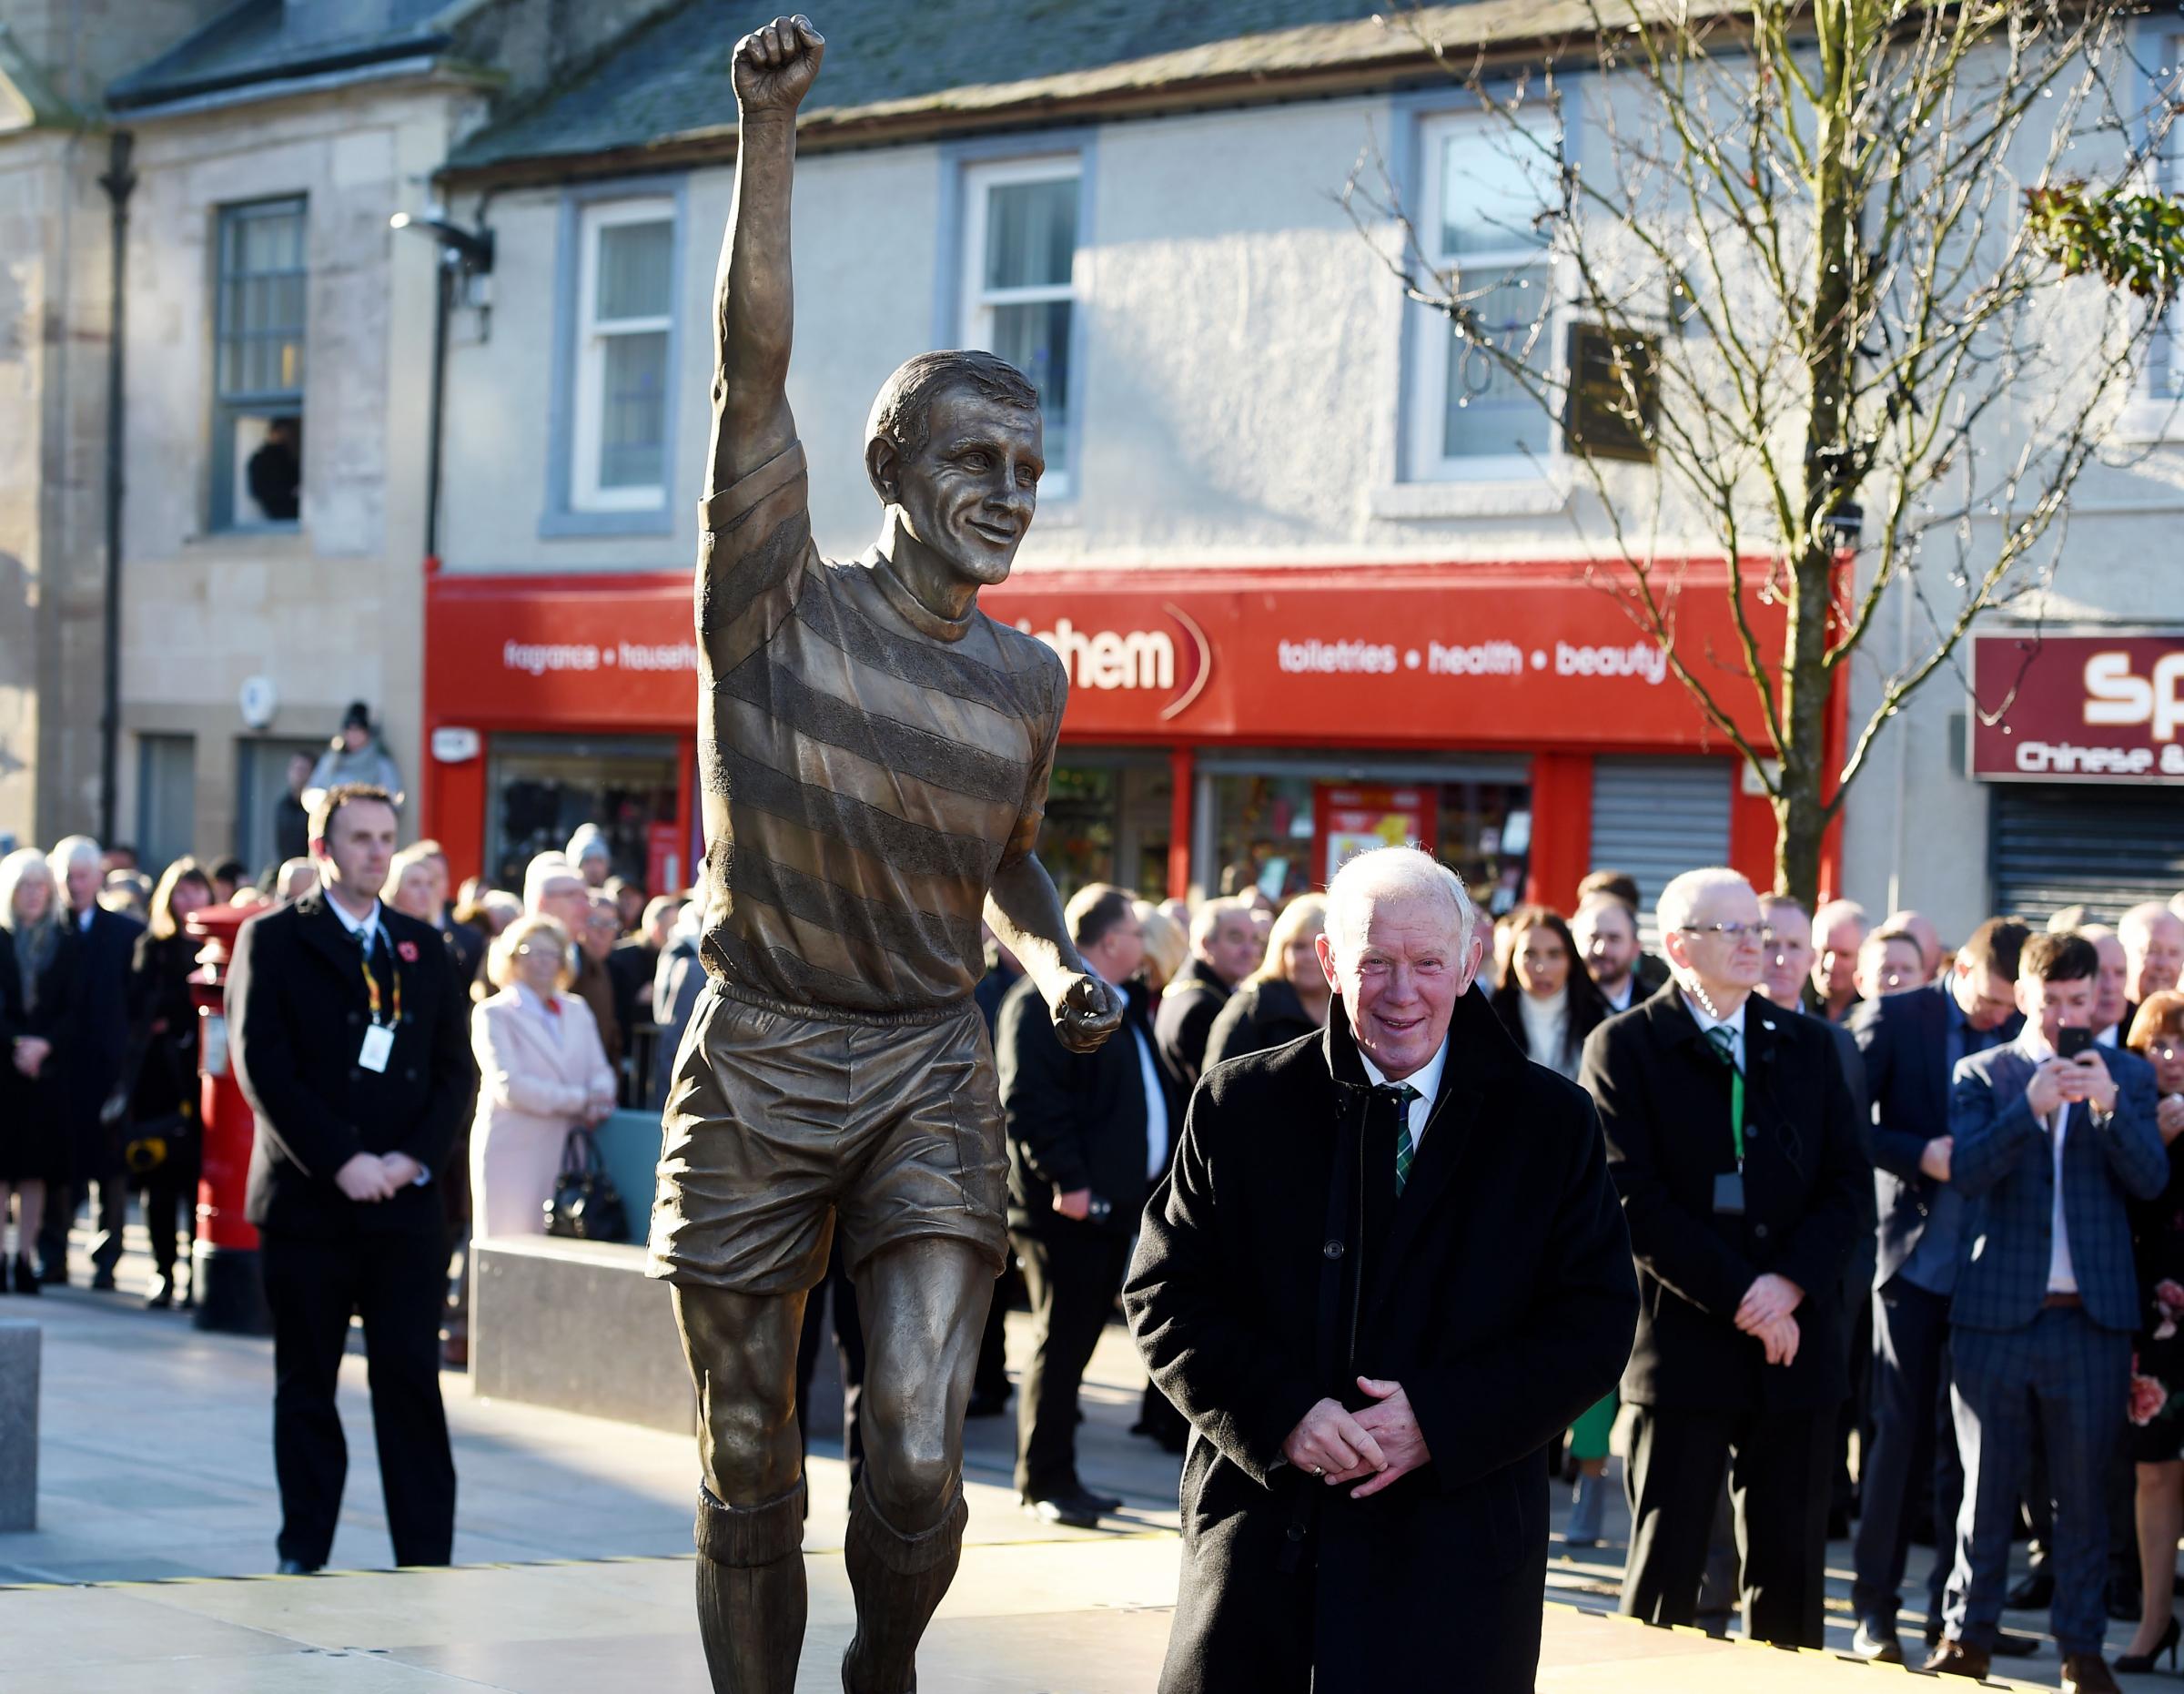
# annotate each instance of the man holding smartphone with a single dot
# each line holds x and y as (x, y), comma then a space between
(2053, 1138)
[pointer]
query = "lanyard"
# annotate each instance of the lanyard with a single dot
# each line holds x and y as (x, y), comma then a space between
(371, 983)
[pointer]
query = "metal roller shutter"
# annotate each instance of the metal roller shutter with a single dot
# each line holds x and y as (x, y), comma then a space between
(2052, 846)
(1657, 819)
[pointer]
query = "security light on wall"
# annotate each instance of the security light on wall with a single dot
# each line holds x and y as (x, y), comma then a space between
(469, 251)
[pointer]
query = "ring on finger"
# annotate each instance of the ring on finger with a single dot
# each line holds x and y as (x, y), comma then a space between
(1318, 1470)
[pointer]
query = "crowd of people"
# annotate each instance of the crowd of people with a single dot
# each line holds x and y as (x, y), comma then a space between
(1908, 1230)
(578, 987)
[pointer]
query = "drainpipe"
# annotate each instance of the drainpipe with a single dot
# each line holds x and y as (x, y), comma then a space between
(119, 182)
(461, 253)
(443, 299)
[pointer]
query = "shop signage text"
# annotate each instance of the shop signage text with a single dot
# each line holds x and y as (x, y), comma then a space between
(1142, 659)
(1519, 655)
(2105, 706)
(535, 658)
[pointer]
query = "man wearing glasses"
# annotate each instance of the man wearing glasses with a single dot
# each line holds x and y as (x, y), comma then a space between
(1733, 1145)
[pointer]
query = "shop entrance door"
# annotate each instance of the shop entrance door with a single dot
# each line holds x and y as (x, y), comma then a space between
(1282, 822)
(1108, 820)
(539, 789)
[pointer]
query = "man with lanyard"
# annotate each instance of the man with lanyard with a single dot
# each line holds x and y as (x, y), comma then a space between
(352, 1043)
(1732, 1142)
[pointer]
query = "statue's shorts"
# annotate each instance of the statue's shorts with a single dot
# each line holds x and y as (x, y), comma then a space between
(785, 1123)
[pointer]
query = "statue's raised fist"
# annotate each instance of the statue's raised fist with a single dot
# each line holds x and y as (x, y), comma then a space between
(773, 66)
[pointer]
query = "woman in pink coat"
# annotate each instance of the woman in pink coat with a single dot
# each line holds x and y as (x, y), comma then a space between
(541, 1068)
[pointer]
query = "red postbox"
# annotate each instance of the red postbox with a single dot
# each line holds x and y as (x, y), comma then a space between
(224, 1270)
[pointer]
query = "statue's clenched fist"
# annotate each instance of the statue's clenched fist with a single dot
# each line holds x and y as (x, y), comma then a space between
(773, 66)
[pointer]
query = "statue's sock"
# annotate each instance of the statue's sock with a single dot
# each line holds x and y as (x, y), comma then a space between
(751, 1592)
(897, 1579)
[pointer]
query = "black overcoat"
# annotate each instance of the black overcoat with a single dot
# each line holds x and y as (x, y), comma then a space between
(297, 1010)
(35, 1141)
(1075, 1120)
(98, 1047)
(1189, 1007)
(1263, 1012)
(1502, 1301)
(1663, 1099)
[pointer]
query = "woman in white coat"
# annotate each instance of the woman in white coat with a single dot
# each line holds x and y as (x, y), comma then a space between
(541, 1068)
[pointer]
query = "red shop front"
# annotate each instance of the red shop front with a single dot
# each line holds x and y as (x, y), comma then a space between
(1224, 727)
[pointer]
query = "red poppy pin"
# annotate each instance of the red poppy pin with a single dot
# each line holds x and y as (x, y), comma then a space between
(408, 949)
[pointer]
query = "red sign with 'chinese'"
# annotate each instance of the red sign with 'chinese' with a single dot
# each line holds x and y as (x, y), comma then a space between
(2102, 706)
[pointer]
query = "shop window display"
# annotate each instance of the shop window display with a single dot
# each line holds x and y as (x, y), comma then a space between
(1286, 834)
(1108, 820)
(544, 788)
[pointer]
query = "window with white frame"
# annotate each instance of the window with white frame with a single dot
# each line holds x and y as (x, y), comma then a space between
(1478, 206)
(624, 313)
(1019, 292)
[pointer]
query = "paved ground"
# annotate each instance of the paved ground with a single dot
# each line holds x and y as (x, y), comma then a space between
(155, 1467)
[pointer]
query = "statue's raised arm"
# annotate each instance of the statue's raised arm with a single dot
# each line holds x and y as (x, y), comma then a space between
(753, 306)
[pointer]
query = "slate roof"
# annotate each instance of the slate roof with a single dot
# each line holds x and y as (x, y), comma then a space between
(670, 78)
(261, 40)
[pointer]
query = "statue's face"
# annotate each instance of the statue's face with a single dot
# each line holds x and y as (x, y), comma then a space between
(967, 493)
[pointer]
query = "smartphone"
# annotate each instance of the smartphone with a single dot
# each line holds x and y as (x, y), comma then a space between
(2069, 1043)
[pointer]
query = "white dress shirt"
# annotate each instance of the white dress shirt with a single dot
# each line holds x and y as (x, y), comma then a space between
(1708, 1023)
(1622, 1002)
(1156, 1097)
(365, 928)
(2062, 1278)
(1426, 1080)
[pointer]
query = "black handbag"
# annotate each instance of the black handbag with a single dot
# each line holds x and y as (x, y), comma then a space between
(584, 1203)
(142, 1145)
(148, 1145)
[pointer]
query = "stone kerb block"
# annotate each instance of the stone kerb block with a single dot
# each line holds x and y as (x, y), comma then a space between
(18, 1423)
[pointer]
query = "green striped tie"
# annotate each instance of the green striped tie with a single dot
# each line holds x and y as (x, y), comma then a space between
(1400, 1095)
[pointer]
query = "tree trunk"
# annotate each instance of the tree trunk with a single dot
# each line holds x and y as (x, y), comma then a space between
(1844, 35)
(1800, 808)
(1800, 822)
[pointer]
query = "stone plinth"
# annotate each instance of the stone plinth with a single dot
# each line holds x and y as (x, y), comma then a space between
(18, 1423)
(577, 1325)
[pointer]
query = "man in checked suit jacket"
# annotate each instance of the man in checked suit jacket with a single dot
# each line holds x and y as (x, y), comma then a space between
(1912, 1043)
(2047, 1151)
(351, 1039)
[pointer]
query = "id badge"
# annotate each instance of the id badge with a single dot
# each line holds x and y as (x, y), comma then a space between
(378, 1047)
(1729, 1194)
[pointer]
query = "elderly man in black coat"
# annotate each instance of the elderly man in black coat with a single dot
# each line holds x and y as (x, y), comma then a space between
(1384, 1271)
(1735, 1145)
